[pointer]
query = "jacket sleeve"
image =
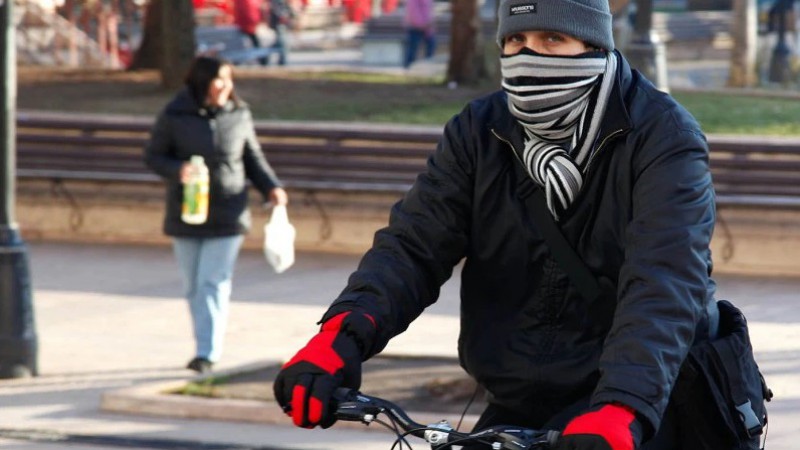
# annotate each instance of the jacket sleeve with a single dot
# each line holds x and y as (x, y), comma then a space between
(415, 254)
(159, 153)
(256, 167)
(664, 283)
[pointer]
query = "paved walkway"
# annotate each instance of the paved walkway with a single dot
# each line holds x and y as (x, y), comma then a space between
(110, 318)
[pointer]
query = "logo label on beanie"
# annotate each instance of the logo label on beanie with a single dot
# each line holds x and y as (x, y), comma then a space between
(529, 8)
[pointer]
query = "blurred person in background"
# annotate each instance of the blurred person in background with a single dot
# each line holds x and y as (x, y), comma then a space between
(207, 118)
(247, 15)
(281, 20)
(420, 29)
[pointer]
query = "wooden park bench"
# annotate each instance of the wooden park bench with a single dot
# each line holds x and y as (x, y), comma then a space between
(226, 42)
(759, 172)
(756, 171)
(343, 157)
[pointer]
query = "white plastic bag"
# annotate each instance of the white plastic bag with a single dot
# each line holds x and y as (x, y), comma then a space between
(279, 240)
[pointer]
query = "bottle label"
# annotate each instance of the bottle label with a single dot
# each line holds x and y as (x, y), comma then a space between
(195, 202)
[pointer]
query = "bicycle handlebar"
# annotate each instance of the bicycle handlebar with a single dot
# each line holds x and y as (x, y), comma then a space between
(356, 407)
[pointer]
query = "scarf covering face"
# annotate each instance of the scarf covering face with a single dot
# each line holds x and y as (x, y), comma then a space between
(559, 101)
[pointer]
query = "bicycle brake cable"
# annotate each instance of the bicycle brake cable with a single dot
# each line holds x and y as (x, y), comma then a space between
(469, 403)
(400, 437)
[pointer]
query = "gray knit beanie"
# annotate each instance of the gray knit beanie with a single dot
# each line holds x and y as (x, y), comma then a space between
(587, 20)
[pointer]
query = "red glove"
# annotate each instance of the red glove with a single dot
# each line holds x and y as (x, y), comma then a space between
(608, 427)
(331, 359)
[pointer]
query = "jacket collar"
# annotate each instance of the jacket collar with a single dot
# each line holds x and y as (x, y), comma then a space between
(616, 118)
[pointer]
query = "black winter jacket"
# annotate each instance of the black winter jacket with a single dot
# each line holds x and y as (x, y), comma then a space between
(642, 224)
(227, 141)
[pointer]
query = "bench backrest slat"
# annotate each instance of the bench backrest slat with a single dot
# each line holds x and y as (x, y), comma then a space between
(350, 156)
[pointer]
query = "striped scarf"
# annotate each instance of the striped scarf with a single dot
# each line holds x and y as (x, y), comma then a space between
(559, 101)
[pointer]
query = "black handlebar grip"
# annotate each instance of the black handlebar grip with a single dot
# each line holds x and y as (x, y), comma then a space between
(343, 394)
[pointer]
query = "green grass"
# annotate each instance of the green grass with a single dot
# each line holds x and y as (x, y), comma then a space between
(740, 114)
(355, 96)
(203, 388)
(342, 96)
(367, 77)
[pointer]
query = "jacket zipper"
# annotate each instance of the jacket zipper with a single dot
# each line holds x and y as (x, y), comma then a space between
(513, 150)
(214, 133)
(600, 147)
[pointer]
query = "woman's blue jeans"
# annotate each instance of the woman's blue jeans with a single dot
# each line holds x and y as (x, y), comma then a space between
(207, 268)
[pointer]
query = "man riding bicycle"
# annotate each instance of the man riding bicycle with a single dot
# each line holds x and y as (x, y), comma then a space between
(624, 172)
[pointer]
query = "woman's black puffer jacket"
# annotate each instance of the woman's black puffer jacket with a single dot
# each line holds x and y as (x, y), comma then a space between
(226, 139)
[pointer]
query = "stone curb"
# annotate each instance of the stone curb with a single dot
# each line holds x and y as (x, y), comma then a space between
(154, 399)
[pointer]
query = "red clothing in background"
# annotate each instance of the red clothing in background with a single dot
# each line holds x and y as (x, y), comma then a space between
(247, 15)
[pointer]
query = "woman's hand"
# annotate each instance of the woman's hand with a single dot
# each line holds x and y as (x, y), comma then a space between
(185, 173)
(278, 196)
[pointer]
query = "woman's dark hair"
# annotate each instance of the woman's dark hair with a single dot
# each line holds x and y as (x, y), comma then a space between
(202, 72)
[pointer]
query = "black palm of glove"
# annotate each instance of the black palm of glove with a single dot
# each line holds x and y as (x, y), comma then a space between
(608, 427)
(331, 359)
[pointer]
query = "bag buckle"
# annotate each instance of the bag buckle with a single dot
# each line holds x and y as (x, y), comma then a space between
(748, 417)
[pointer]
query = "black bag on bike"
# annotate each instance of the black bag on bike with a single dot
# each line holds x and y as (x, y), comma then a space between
(720, 394)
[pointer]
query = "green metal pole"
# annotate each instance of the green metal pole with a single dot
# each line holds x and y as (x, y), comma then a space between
(18, 342)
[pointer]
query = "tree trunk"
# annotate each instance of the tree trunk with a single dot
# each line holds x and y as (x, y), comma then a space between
(466, 63)
(178, 44)
(148, 54)
(743, 71)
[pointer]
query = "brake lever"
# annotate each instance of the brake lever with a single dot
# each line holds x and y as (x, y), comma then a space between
(353, 407)
(508, 438)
